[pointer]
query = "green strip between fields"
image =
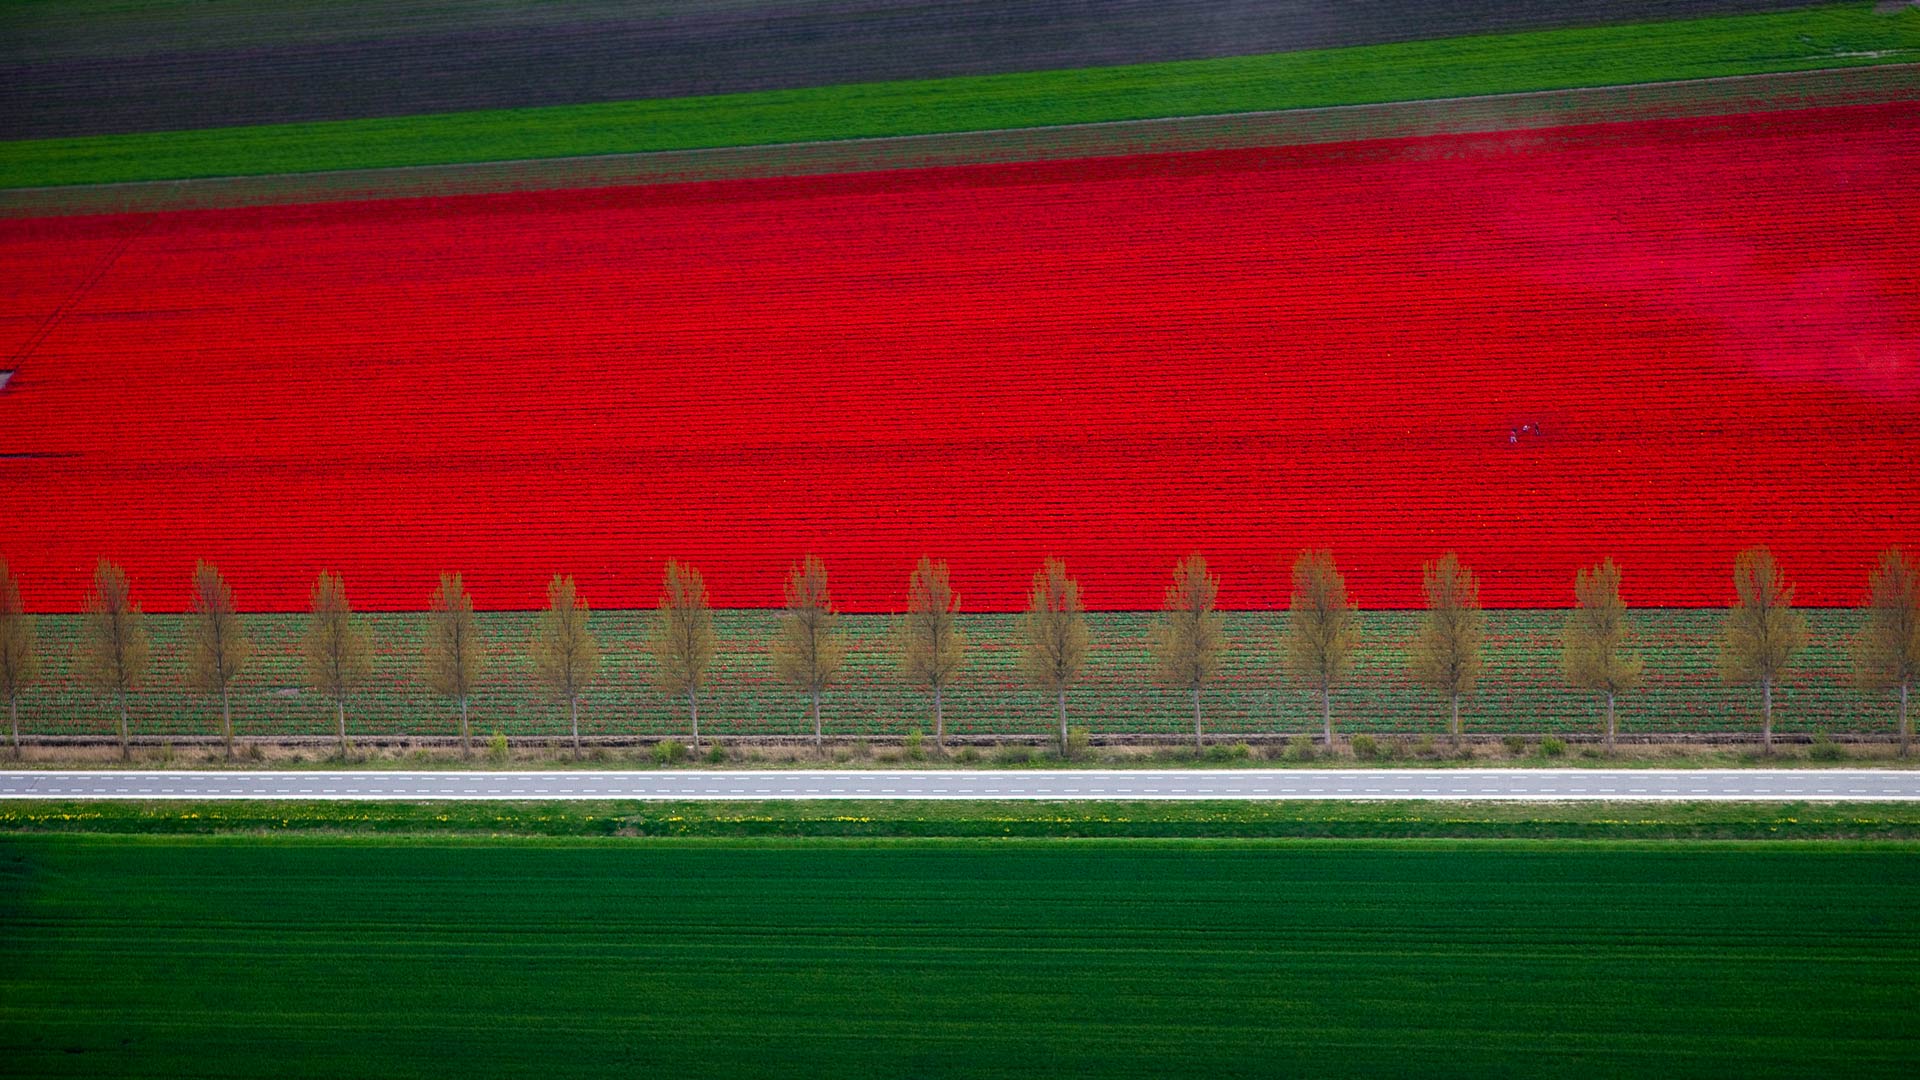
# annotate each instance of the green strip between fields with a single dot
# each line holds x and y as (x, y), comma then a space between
(895, 819)
(1807, 39)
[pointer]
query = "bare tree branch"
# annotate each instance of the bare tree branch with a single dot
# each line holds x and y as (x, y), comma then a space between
(932, 647)
(1763, 631)
(1054, 632)
(1447, 650)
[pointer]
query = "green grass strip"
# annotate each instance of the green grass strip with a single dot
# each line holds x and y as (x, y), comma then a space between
(962, 819)
(1821, 37)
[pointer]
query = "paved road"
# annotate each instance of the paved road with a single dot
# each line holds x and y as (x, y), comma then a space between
(1544, 784)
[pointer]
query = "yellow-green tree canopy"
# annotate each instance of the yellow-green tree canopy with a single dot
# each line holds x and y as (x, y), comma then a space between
(1054, 638)
(115, 648)
(1596, 652)
(1447, 649)
(932, 647)
(684, 642)
(338, 653)
(217, 645)
(1763, 631)
(452, 650)
(1887, 653)
(1190, 640)
(19, 656)
(809, 649)
(564, 650)
(1323, 627)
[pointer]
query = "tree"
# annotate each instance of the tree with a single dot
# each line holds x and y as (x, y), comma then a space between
(1055, 628)
(454, 654)
(19, 660)
(1763, 632)
(339, 655)
(1446, 651)
(684, 642)
(1323, 629)
(115, 646)
(1887, 652)
(809, 649)
(1594, 643)
(1190, 639)
(565, 654)
(932, 646)
(217, 646)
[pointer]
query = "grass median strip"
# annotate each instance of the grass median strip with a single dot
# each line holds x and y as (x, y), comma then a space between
(968, 819)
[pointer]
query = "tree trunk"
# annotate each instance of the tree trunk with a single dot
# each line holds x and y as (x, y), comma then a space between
(1609, 723)
(1766, 713)
(939, 728)
(1063, 722)
(693, 714)
(816, 720)
(466, 734)
(1455, 728)
(340, 716)
(125, 753)
(1907, 731)
(573, 717)
(13, 713)
(226, 721)
(1326, 713)
(1196, 718)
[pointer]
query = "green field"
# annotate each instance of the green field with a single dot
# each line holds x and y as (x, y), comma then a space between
(1822, 37)
(1522, 689)
(295, 957)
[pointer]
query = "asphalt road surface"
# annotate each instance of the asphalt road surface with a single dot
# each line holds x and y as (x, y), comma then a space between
(1537, 784)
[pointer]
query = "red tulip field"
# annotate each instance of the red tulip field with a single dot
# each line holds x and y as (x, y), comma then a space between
(1659, 341)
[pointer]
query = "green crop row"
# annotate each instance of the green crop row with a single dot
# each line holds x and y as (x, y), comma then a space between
(1823, 37)
(1521, 689)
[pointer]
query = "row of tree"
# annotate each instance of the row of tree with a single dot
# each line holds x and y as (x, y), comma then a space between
(1762, 635)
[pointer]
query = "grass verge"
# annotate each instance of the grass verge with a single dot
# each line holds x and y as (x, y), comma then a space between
(1296, 752)
(903, 819)
(1808, 39)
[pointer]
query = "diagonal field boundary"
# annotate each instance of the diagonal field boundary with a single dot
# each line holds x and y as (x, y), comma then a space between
(1536, 785)
(1342, 123)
